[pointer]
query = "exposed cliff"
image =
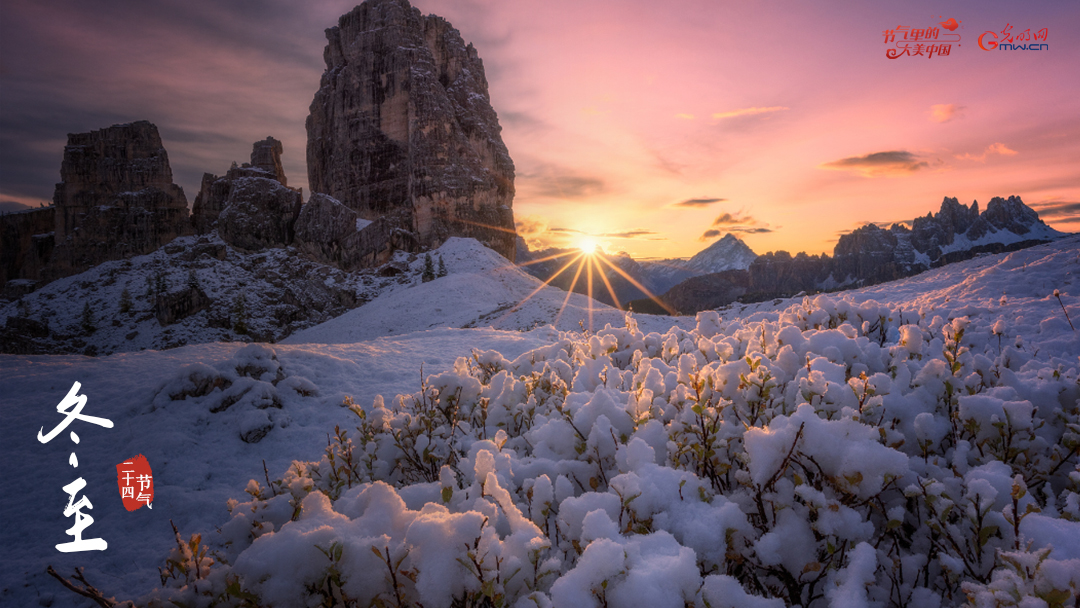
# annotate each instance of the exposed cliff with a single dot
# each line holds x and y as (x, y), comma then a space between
(116, 198)
(250, 206)
(402, 129)
(707, 291)
(26, 244)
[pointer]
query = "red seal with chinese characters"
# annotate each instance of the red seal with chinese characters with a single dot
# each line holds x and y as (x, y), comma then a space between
(136, 483)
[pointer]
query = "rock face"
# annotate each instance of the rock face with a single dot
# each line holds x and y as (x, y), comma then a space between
(1012, 215)
(116, 199)
(250, 206)
(327, 230)
(330, 232)
(26, 244)
(266, 155)
(708, 291)
(402, 129)
(174, 306)
(781, 273)
(258, 213)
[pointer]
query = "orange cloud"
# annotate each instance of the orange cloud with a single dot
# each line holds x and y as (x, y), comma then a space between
(944, 112)
(747, 112)
(994, 148)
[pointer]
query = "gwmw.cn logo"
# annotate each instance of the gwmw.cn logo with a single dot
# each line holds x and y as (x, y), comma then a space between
(1007, 41)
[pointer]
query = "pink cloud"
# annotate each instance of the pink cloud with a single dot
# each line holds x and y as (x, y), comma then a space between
(994, 148)
(747, 112)
(944, 112)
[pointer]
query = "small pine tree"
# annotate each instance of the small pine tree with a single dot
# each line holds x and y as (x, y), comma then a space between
(192, 280)
(442, 267)
(161, 284)
(239, 316)
(150, 288)
(429, 269)
(125, 301)
(88, 319)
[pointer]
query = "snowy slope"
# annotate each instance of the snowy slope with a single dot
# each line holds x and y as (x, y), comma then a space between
(200, 460)
(1015, 287)
(1037, 232)
(481, 290)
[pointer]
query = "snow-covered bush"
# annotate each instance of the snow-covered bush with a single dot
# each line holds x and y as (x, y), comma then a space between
(836, 454)
(253, 387)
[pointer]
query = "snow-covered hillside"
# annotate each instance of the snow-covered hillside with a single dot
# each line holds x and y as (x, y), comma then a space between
(876, 447)
(481, 289)
(194, 290)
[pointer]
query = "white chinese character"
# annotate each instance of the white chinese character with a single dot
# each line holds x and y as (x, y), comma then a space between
(71, 407)
(82, 520)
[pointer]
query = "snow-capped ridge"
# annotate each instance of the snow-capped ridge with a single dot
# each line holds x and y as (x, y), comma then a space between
(727, 253)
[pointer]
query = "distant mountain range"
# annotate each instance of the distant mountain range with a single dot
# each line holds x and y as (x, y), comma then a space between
(656, 276)
(872, 254)
(728, 270)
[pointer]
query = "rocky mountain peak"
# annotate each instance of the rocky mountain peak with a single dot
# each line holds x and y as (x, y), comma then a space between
(868, 238)
(727, 253)
(402, 129)
(266, 155)
(116, 198)
(250, 206)
(1011, 214)
(956, 217)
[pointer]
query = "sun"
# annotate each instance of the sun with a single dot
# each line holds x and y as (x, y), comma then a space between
(587, 244)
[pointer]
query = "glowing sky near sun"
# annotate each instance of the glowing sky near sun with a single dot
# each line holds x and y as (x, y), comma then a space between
(653, 127)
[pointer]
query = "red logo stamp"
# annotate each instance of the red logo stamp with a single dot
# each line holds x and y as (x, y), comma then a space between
(136, 483)
(921, 42)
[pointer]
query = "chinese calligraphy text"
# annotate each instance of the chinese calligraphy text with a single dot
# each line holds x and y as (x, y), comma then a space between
(71, 407)
(921, 42)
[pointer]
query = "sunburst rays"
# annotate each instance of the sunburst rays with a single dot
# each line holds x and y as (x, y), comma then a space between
(590, 263)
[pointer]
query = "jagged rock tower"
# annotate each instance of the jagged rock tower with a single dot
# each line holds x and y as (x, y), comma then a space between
(251, 206)
(116, 198)
(402, 129)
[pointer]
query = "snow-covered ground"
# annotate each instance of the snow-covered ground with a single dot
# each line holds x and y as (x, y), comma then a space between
(482, 289)
(794, 443)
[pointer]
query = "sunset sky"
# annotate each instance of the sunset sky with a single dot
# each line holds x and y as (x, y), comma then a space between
(656, 127)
